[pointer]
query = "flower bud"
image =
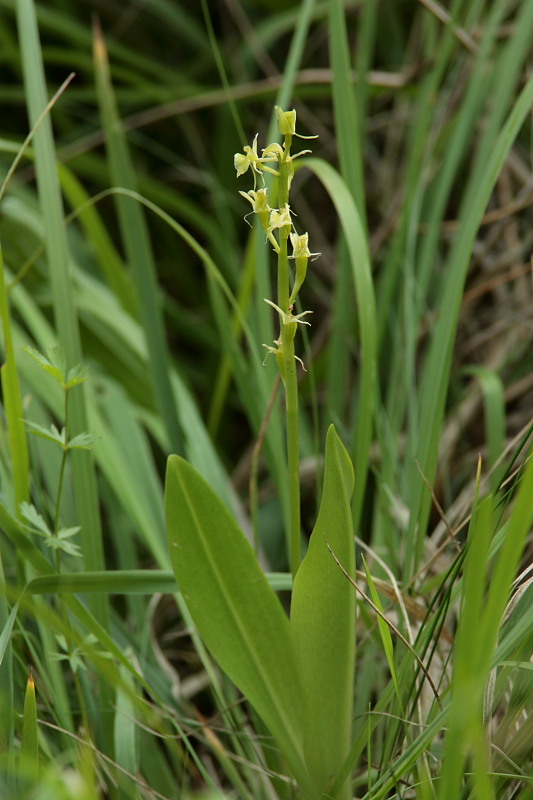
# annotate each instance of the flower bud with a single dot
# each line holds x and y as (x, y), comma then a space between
(301, 255)
(286, 121)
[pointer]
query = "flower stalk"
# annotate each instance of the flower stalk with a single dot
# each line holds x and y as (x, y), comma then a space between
(279, 228)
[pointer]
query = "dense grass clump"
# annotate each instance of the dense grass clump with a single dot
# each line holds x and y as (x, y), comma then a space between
(133, 324)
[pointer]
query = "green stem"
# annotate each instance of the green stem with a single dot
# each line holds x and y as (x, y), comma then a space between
(290, 377)
(61, 477)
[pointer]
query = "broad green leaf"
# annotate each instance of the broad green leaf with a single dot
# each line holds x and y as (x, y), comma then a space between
(237, 614)
(323, 623)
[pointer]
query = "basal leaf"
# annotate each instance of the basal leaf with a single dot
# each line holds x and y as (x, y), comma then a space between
(236, 612)
(323, 623)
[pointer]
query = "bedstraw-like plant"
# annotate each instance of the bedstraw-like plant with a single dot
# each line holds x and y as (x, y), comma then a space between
(297, 673)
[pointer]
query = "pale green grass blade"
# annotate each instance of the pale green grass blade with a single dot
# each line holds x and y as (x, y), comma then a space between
(96, 302)
(478, 630)
(347, 127)
(388, 781)
(29, 752)
(348, 135)
(236, 613)
(494, 408)
(199, 449)
(366, 310)
(7, 618)
(7, 629)
(505, 569)
(384, 631)
(401, 290)
(468, 680)
(136, 240)
(18, 536)
(323, 624)
(126, 751)
(142, 581)
(58, 260)
(437, 366)
(18, 445)
(463, 129)
(108, 258)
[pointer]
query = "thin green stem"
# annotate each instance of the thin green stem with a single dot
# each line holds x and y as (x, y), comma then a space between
(61, 477)
(290, 377)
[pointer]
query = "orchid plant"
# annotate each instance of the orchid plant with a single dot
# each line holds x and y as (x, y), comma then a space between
(296, 672)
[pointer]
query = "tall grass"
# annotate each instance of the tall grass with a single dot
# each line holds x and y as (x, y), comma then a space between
(122, 241)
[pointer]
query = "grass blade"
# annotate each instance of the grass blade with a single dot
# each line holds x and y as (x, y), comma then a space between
(29, 753)
(137, 244)
(18, 445)
(366, 310)
(58, 260)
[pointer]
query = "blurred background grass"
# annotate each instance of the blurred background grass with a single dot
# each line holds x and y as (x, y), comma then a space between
(413, 103)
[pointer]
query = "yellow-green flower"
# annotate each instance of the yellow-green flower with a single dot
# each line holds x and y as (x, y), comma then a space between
(280, 357)
(287, 124)
(288, 319)
(274, 152)
(250, 158)
(301, 255)
(300, 246)
(259, 201)
(280, 218)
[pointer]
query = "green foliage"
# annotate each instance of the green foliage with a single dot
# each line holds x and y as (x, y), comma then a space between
(236, 612)
(323, 623)
(299, 674)
(132, 329)
(29, 751)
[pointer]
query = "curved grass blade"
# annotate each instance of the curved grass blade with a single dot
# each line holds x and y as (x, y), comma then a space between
(366, 314)
(136, 239)
(58, 257)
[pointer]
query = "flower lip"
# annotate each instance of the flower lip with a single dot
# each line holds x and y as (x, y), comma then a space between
(300, 248)
(280, 218)
(249, 158)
